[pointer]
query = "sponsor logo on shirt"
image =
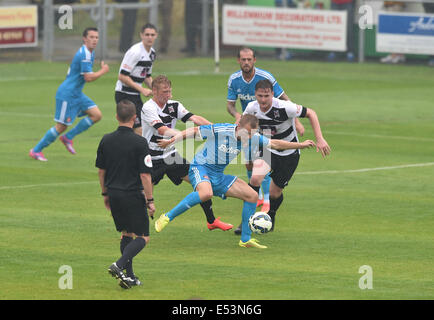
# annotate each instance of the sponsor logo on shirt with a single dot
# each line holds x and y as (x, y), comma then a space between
(225, 149)
(246, 97)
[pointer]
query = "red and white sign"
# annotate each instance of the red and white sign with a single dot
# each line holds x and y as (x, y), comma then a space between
(18, 26)
(285, 28)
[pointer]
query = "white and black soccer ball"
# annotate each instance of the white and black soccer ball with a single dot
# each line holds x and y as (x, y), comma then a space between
(260, 222)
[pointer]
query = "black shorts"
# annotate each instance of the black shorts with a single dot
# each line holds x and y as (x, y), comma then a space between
(129, 212)
(283, 167)
(134, 98)
(174, 166)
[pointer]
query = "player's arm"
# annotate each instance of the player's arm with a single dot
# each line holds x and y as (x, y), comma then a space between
(198, 120)
(148, 82)
(298, 125)
(181, 135)
(321, 144)
(92, 76)
(126, 79)
(233, 110)
(284, 145)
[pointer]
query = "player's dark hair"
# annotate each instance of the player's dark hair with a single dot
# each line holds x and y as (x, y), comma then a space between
(148, 26)
(246, 49)
(159, 80)
(264, 84)
(125, 110)
(86, 31)
(249, 119)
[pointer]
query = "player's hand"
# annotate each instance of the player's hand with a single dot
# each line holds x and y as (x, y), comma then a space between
(146, 92)
(300, 128)
(323, 147)
(307, 144)
(105, 67)
(164, 143)
(106, 202)
(151, 209)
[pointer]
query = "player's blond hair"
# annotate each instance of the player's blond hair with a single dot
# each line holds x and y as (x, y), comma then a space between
(249, 119)
(159, 80)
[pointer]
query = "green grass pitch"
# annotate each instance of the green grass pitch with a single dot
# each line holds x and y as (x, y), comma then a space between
(370, 203)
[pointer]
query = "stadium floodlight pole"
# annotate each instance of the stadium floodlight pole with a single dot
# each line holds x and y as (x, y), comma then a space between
(216, 36)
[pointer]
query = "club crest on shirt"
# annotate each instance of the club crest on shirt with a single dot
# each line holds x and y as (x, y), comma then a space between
(276, 114)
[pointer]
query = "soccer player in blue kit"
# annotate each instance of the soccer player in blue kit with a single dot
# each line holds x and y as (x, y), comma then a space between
(241, 85)
(224, 142)
(71, 101)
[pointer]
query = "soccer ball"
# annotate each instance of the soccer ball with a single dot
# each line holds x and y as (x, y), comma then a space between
(260, 222)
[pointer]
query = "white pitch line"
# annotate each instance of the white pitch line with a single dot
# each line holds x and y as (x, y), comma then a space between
(378, 136)
(426, 164)
(60, 184)
(56, 184)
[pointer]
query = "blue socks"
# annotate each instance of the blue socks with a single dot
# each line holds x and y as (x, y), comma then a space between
(248, 209)
(264, 192)
(83, 125)
(49, 137)
(189, 201)
(265, 186)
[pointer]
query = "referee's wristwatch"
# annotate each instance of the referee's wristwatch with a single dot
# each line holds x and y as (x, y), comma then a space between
(104, 194)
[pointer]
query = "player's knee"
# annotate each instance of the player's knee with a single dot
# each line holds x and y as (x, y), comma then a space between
(205, 195)
(256, 180)
(252, 196)
(95, 115)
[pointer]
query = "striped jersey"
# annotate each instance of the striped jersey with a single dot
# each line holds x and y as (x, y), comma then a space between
(278, 122)
(238, 88)
(137, 64)
(154, 117)
(73, 85)
(222, 145)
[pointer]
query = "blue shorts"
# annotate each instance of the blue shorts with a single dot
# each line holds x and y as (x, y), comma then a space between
(68, 109)
(220, 182)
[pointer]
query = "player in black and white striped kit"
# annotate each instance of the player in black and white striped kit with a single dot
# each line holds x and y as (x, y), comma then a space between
(136, 69)
(159, 117)
(277, 118)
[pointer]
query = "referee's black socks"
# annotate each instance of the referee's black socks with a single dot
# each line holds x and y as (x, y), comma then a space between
(125, 240)
(130, 251)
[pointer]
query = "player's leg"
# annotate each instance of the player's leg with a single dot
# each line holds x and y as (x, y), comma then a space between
(283, 170)
(137, 100)
(177, 169)
(260, 169)
(241, 190)
(84, 106)
(63, 119)
(265, 187)
(212, 221)
(202, 192)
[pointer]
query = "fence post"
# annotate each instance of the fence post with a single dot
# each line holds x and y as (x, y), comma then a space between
(48, 31)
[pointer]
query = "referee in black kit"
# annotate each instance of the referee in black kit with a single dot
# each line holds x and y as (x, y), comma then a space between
(124, 173)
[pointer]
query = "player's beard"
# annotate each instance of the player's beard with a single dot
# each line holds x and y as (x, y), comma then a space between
(247, 69)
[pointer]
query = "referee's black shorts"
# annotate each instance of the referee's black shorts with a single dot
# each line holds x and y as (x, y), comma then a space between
(283, 167)
(129, 211)
(134, 98)
(174, 166)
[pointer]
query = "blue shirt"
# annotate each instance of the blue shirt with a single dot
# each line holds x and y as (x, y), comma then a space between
(73, 85)
(245, 91)
(222, 146)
